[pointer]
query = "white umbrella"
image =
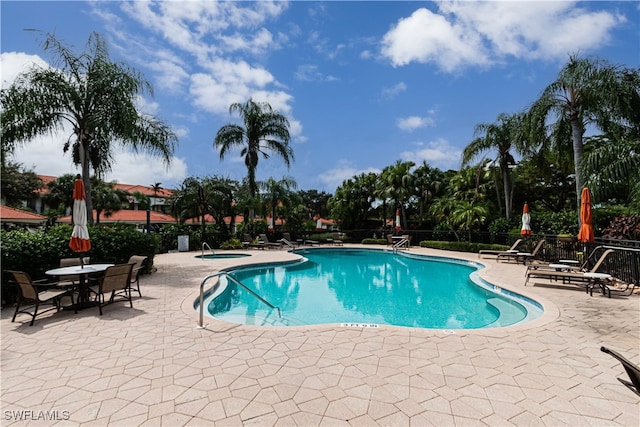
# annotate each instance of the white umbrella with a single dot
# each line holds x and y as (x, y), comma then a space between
(80, 241)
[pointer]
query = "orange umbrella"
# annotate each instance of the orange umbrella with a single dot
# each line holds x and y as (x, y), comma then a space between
(319, 225)
(397, 219)
(80, 235)
(586, 228)
(526, 221)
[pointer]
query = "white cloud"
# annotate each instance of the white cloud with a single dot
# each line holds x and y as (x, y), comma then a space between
(414, 122)
(14, 63)
(344, 170)
(393, 91)
(438, 153)
(310, 73)
(462, 34)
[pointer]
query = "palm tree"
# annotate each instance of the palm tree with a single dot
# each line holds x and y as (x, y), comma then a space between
(263, 131)
(155, 187)
(276, 192)
(94, 96)
(503, 135)
(399, 181)
(428, 183)
(587, 92)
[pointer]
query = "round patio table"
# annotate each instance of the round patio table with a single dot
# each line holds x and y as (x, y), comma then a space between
(83, 273)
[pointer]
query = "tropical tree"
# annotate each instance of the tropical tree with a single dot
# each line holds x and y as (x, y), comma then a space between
(502, 136)
(263, 131)
(276, 193)
(18, 185)
(469, 216)
(587, 92)
(351, 203)
(399, 182)
(60, 193)
(428, 183)
(107, 198)
(93, 96)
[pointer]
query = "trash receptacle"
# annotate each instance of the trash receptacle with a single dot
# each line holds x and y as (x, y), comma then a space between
(183, 243)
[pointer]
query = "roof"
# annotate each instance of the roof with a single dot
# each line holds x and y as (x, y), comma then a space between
(129, 217)
(9, 214)
(131, 188)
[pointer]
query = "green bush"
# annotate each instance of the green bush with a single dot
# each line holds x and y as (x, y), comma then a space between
(461, 246)
(231, 244)
(370, 241)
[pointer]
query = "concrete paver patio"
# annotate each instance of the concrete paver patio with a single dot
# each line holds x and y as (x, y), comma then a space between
(152, 366)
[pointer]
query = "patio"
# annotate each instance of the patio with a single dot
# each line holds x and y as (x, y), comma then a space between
(151, 365)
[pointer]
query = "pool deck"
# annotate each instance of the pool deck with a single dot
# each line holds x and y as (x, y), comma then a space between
(151, 365)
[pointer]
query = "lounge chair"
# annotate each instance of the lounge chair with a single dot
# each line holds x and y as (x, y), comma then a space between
(571, 276)
(632, 371)
(116, 281)
(265, 240)
(28, 293)
(522, 257)
(512, 249)
(248, 242)
(137, 261)
(336, 238)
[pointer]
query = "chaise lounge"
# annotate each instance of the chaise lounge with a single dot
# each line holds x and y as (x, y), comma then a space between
(512, 249)
(632, 370)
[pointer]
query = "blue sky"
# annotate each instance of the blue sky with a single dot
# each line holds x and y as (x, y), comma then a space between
(364, 84)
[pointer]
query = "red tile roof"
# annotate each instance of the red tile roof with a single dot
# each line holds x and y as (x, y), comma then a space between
(8, 214)
(131, 188)
(129, 217)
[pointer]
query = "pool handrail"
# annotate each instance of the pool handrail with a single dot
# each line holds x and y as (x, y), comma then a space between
(237, 282)
(207, 245)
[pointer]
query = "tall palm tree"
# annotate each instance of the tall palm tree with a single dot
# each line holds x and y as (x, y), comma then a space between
(263, 131)
(503, 135)
(587, 92)
(93, 95)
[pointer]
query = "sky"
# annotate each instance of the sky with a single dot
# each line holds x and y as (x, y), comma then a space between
(363, 83)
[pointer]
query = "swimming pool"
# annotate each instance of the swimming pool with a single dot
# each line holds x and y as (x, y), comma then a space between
(369, 287)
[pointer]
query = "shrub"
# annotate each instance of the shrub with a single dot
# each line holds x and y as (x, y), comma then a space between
(374, 241)
(460, 246)
(231, 244)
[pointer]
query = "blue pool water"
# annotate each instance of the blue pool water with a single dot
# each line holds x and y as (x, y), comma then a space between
(369, 287)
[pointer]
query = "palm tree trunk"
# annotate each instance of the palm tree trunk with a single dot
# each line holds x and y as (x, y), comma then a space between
(576, 133)
(86, 178)
(508, 193)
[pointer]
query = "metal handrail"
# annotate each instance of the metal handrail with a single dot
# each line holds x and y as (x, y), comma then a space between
(207, 245)
(237, 282)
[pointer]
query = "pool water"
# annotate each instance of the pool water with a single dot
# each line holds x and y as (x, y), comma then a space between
(370, 287)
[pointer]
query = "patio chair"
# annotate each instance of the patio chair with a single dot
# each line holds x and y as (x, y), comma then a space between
(497, 252)
(523, 257)
(632, 370)
(70, 262)
(137, 261)
(568, 276)
(337, 239)
(115, 282)
(28, 293)
(265, 240)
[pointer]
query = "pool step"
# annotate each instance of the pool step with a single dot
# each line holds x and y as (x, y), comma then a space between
(509, 314)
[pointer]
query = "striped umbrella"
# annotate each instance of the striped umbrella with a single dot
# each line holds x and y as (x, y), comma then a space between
(80, 235)
(526, 221)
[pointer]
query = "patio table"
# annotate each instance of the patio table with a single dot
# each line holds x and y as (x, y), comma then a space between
(83, 273)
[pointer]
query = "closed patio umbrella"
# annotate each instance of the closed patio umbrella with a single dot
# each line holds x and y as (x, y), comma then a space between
(526, 221)
(319, 225)
(80, 235)
(398, 219)
(270, 222)
(586, 233)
